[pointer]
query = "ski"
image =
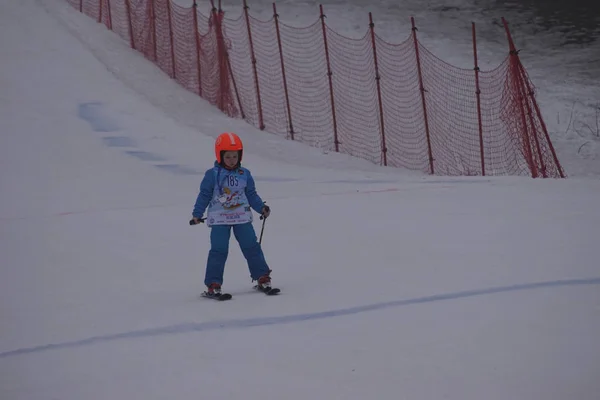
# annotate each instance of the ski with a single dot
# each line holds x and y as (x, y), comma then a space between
(219, 297)
(268, 291)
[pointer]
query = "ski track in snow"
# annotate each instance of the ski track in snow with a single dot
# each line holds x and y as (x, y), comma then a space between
(191, 327)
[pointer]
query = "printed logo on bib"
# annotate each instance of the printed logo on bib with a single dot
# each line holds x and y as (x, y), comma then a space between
(231, 200)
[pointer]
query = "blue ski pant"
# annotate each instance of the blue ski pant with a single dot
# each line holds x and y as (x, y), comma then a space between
(219, 248)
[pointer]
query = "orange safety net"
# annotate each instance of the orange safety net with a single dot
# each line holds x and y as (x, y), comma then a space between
(392, 104)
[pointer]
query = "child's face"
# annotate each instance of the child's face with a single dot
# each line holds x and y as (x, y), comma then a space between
(231, 158)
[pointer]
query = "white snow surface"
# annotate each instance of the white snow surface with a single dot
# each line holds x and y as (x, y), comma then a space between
(395, 284)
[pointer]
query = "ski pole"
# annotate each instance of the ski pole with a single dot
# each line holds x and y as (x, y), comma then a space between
(262, 229)
(193, 222)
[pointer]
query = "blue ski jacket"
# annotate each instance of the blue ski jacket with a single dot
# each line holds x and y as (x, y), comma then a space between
(230, 195)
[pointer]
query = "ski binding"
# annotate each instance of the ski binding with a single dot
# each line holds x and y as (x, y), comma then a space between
(219, 296)
(270, 291)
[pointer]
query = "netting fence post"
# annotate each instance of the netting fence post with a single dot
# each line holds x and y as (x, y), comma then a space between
(526, 134)
(171, 41)
(153, 23)
(198, 48)
(220, 56)
(235, 89)
(109, 14)
(522, 79)
(478, 93)
(129, 23)
(516, 84)
(527, 131)
(422, 90)
(285, 87)
(225, 70)
(329, 75)
(80, 6)
(100, 3)
(379, 98)
(542, 123)
(261, 124)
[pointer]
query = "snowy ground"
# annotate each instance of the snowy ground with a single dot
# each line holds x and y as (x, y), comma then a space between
(396, 285)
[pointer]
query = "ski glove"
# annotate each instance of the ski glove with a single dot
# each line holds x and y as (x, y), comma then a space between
(266, 211)
(196, 221)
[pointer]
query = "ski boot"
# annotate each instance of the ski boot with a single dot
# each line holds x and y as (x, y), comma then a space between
(264, 285)
(214, 292)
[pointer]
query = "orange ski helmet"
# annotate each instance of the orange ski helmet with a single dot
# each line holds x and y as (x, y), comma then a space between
(228, 141)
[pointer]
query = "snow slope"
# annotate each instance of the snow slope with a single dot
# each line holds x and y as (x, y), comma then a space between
(395, 285)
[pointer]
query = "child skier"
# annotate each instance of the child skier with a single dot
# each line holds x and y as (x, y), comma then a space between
(229, 192)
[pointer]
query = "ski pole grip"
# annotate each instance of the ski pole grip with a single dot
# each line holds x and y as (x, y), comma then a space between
(193, 222)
